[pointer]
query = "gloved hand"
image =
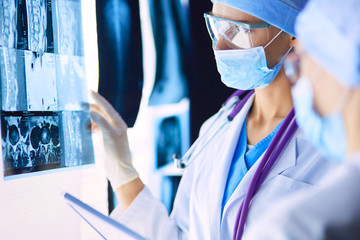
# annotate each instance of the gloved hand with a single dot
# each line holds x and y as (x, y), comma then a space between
(118, 165)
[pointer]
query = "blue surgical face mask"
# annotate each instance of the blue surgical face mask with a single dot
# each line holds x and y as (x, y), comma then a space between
(246, 69)
(327, 133)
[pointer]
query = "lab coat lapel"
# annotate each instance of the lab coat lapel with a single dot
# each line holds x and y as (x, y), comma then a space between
(221, 166)
(286, 160)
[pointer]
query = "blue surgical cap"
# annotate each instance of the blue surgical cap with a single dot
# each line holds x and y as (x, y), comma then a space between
(329, 30)
(279, 13)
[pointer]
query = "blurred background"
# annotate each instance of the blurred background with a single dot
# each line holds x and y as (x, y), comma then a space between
(156, 67)
(153, 61)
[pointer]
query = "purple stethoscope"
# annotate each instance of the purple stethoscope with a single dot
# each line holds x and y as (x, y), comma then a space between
(236, 101)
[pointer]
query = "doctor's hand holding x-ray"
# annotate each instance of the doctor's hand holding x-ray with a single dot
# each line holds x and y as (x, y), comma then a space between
(118, 166)
(257, 156)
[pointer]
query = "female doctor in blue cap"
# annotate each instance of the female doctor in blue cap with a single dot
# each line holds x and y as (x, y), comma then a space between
(327, 103)
(251, 151)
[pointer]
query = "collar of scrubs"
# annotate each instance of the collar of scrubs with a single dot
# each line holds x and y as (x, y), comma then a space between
(253, 154)
(249, 147)
(244, 159)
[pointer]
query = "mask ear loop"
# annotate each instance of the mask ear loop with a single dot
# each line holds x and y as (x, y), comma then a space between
(283, 58)
(273, 39)
(285, 55)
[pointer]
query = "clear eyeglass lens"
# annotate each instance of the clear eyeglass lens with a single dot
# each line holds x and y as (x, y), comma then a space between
(242, 38)
(235, 35)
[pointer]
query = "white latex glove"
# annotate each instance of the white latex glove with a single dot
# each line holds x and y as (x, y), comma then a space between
(118, 165)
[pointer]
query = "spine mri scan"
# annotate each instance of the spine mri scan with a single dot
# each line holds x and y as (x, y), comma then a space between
(45, 121)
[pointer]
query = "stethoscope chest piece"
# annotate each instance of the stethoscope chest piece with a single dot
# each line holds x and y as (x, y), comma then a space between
(179, 162)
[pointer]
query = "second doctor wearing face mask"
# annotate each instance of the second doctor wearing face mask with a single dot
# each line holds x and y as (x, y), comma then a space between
(326, 75)
(328, 132)
(257, 156)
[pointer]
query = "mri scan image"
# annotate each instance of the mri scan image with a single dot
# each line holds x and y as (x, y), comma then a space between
(14, 24)
(68, 36)
(41, 38)
(30, 143)
(71, 75)
(40, 81)
(12, 75)
(76, 138)
(44, 109)
(27, 25)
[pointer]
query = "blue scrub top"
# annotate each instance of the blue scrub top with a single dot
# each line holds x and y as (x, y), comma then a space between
(243, 159)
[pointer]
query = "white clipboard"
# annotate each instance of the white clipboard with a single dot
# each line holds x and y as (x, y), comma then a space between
(106, 227)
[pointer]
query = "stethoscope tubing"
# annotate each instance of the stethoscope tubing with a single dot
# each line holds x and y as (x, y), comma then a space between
(183, 162)
(288, 127)
(245, 95)
(275, 148)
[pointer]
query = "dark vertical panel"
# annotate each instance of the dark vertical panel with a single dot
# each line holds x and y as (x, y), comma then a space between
(207, 92)
(171, 37)
(120, 55)
(49, 28)
(22, 24)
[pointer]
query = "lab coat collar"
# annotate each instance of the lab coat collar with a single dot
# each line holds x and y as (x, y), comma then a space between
(218, 183)
(286, 160)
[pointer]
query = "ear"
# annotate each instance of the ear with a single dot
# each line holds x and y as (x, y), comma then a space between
(292, 41)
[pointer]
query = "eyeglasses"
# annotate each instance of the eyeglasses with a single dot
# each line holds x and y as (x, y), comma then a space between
(237, 34)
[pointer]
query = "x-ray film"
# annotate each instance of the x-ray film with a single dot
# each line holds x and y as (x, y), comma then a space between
(68, 34)
(71, 76)
(76, 138)
(12, 75)
(40, 26)
(45, 120)
(8, 26)
(27, 25)
(14, 24)
(40, 81)
(30, 142)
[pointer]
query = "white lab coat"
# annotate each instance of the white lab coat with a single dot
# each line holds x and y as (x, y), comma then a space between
(330, 210)
(197, 206)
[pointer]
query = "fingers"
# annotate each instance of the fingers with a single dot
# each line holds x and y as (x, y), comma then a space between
(101, 122)
(95, 108)
(98, 109)
(93, 126)
(103, 107)
(103, 104)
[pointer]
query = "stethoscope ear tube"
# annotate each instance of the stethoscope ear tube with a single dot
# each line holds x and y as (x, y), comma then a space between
(277, 145)
(182, 162)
